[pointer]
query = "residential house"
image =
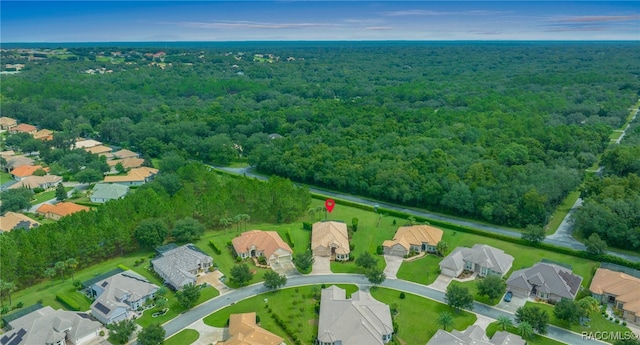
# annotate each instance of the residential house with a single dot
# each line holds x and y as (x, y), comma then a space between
(416, 238)
(23, 128)
(330, 239)
(180, 266)
(43, 134)
(124, 153)
(619, 289)
(103, 192)
(360, 320)
(256, 243)
(13, 220)
(546, 281)
(31, 182)
(243, 330)
(17, 161)
(46, 326)
(24, 171)
(127, 163)
(481, 259)
(117, 296)
(7, 122)
(99, 149)
(135, 177)
(8, 154)
(60, 210)
(85, 143)
(474, 335)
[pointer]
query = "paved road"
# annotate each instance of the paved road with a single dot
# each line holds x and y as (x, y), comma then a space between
(185, 319)
(562, 241)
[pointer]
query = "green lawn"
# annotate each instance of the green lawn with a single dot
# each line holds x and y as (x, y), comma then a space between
(174, 308)
(422, 271)
(561, 212)
(184, 337)
(598, 322)
(537, 339)
(294, 305)
(473, 289)
(5, 177)
(48, 195)
(416, 315)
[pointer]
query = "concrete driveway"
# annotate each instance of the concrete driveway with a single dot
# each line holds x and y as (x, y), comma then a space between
(441, 283)
(393, 265)
(285, 267)
(213, 279)
(516, 302)
(321, 265)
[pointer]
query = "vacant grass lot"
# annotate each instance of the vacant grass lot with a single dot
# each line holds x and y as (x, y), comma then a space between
(598, 322)
(184, 337)
(537, 339)
(296, 306)
(417, 316)
(422, 271)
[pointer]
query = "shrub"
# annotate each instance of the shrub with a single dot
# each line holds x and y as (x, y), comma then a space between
(215, 247)
(238, 259)
(379, 250)
(402, 295)
(624, 323)
(257, 318)
(290, 240)
(20, 304)
(352, 246)
(123, 267)
(307, 226)
(68, 302)
(617, 320)
(38, 190)
(262, 260)
(101, 333)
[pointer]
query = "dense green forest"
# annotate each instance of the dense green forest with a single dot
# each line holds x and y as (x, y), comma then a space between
(494, 131)
(192, 192)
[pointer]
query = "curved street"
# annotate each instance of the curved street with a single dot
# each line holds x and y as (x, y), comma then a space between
(189, 317)
(566, 240)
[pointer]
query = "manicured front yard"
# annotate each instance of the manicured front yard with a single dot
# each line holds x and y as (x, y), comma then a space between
(5, 177)
(536, 340)
(417, 316)
(597, 323)
(48, 195)
(174, 308)
(473, 289)
(184, 337)
(423, 271)
(295, 306)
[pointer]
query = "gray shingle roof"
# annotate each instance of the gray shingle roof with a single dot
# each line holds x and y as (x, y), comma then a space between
(548, 278)
(124, 287)
(109, 191)
(176, 265)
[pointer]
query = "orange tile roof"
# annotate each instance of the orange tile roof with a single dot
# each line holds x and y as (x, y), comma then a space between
(25, 128)
(266, 241)
(244, 331)
(134, 175)
(127, 163)
(62, 208)
(98, 149)
(415, 235)
(11, 219)
(624, 287)
(326, 233)
(25, 170)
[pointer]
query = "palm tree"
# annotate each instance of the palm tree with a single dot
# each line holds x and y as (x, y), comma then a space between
(525, 329)
(319, 210)
(6, 287)
(71, 264)
(589, 304)
(237, 220)
(411, 220)
(60, 267)
(50, 273)
(442, 248)
(224, 222)
(504, 322)
(162, 291)
(445, 319)
(312, 214)
(245, 217)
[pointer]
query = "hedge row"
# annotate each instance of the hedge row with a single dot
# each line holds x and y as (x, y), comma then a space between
(291, 243)
(293, 334)
(512, 239)
(215, 247)
(68, 302)
(123, 267)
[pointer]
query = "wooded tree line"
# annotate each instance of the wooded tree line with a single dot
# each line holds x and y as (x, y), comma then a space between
(109, 231)
(499, 132)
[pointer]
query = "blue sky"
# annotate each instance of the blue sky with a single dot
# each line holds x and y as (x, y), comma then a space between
(130, 21)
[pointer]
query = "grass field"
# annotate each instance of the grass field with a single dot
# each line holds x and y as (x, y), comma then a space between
(473, 289)
(417, 316)
(536, 340)
(597, 323)
(296, 306)
(184, 337)
(561, 212)
(422, 271)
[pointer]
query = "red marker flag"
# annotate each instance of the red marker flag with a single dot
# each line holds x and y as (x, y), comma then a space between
(329, 204)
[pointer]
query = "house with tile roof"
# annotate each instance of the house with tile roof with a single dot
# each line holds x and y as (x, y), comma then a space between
(416, 238)
(127, 163)
(13, 220)
(23, 128)
(481, 258)
(546, 281)
(359, 320)
(7, 122)
(60, 210)
(474, 335)
(43, 134)
(243, 330)
(135, 177)
(24, 171)
(85, 143)
(620, 290)
(124, 153)
(256, 243)
(117, 296)
(330, 239)
(99, 149)
(180, 266)
(31, 182)
(103, 192)
(46, 326)
(14, 162)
